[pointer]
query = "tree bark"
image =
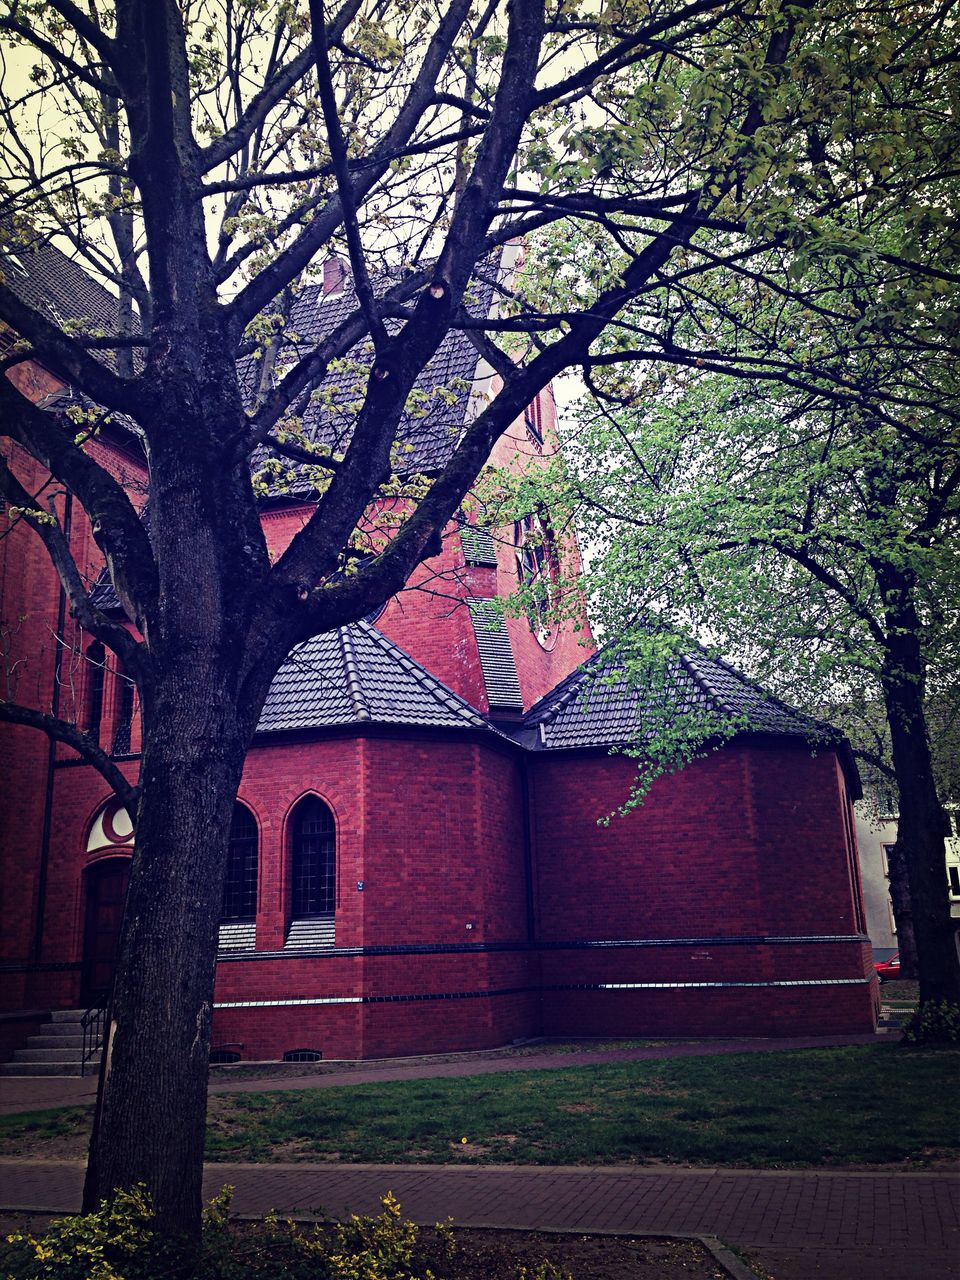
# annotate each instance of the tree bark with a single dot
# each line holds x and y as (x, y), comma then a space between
(922, 825)
(902, 912)
(152, 1100)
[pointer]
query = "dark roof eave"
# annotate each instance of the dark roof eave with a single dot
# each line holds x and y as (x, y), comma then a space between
(487, 735)
(840, 746)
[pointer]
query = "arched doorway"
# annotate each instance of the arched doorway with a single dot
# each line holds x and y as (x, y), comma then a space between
(106, 891)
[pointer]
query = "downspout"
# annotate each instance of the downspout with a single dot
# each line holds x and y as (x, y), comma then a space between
(51, 753)
(534, 962)
(527, 849)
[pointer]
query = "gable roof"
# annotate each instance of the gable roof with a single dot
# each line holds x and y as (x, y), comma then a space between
(48, 281)
(357, 676)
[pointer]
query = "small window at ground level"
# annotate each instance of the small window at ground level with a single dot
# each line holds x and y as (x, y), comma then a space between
(220, 1057)
(303, 1055)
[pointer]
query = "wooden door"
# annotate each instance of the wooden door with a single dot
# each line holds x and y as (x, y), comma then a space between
(106, 892)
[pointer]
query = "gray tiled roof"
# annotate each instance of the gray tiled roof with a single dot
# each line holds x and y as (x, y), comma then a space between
(432, 423)
(50, 282)
(598, 706)
(46, 279)
(496, 656)
(354, 676)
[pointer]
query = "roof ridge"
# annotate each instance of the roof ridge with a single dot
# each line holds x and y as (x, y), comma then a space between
(702, 681)
(354, 686)
(772, 697)
(442, 692)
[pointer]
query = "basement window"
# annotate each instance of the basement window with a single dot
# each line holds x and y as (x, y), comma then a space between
(303, 1055)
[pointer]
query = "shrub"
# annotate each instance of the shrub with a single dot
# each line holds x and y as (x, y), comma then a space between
(115, 1243)
(118, 1242)
(935, 1022)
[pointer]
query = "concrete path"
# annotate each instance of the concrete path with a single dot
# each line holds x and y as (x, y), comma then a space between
(831, 1225)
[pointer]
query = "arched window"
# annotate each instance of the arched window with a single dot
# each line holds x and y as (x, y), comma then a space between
(314, 859)
(240, 885)
(536, 565)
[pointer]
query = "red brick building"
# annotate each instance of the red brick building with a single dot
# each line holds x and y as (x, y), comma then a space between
(416, 861)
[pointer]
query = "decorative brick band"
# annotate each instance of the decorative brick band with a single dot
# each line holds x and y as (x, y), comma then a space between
(590, 944)
(673, 986)
(461, 948)
(516, 991)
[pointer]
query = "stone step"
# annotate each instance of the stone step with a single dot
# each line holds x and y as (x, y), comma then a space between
(67, 1015)
(48, 1041)
(48, 1055)
(48, 1068)
(62, 1030)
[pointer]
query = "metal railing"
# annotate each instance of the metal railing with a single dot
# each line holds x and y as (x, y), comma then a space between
(93, 1024)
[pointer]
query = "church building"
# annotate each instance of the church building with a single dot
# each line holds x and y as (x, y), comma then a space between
(418, 861)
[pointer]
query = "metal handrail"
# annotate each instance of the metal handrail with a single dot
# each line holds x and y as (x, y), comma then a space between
(93, 1022)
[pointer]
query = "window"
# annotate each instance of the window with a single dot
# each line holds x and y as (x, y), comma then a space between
(536, 566)
(94, 708)
(121, 733)
(240, 885)
(533, 424)
(314, 859)
(886, 850)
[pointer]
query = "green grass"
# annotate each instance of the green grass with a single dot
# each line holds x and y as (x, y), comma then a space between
(873, 1104)
(858, 1105)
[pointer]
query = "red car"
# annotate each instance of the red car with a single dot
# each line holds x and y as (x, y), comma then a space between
(889, 970)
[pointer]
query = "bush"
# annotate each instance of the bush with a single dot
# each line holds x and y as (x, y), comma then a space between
(119, 1242)
(935, 1022)
(115, 1243)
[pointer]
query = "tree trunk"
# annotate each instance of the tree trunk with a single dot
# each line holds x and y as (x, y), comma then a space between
(902, 912)
(151, 1111)
(921, 827)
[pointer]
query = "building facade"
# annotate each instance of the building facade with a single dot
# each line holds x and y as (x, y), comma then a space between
(418, 860)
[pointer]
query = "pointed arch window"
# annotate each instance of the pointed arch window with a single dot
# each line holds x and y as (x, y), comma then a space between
(240, 885)
(314, 859)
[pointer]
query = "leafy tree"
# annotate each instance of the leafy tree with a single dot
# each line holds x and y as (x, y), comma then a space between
(202, 157)
(797, 506)
(819, 546)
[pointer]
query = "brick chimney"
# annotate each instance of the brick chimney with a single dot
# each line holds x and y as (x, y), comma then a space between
(333, 275)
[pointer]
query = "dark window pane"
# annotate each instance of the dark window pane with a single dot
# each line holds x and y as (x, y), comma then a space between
(240, 886)
(121, 734)
(314, 859)
(97, 660)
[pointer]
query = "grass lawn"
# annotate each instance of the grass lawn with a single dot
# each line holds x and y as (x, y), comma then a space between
(857, 1105)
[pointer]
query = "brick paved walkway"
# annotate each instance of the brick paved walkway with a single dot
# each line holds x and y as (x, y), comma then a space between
(799, 1225)
(36, 1093)
(814, 1225)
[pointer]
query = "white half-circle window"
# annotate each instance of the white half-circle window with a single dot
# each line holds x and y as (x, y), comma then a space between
(111, 827)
